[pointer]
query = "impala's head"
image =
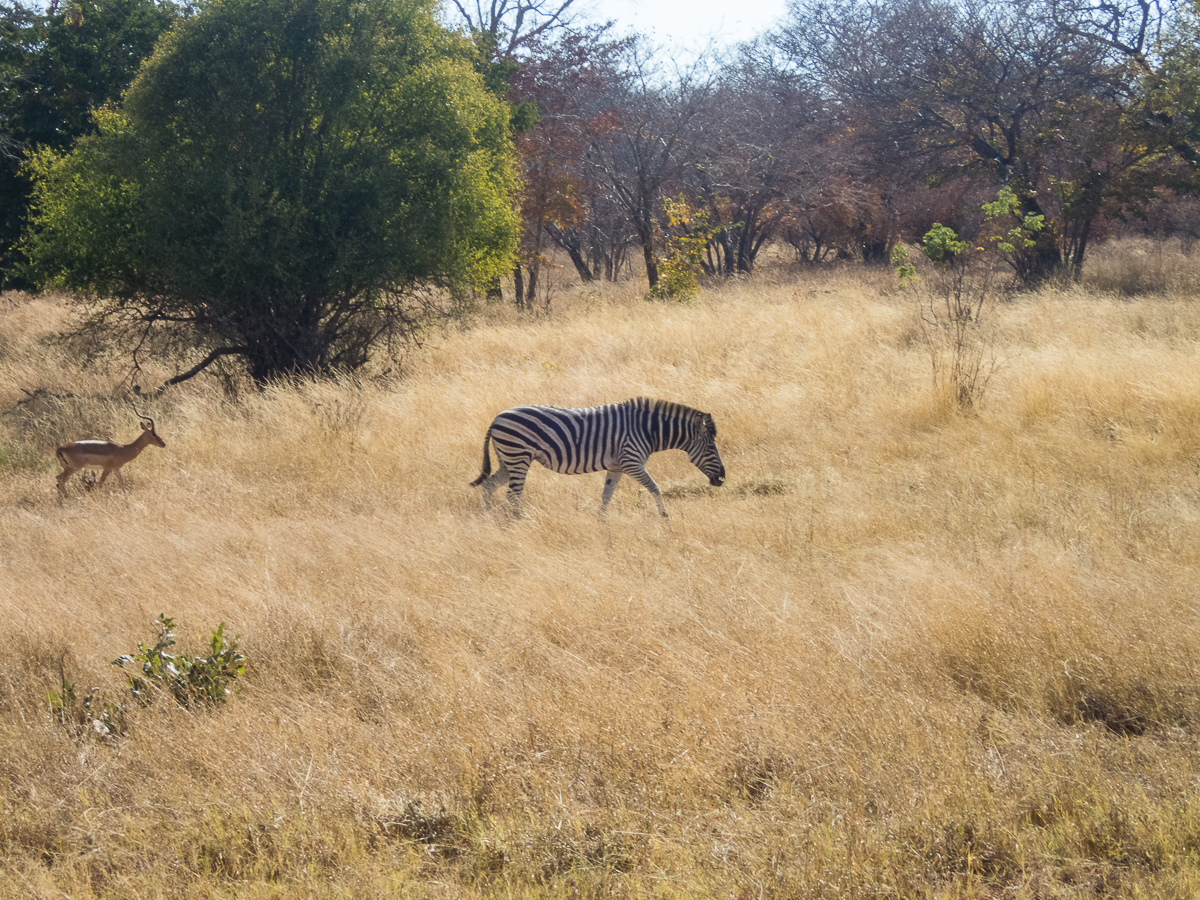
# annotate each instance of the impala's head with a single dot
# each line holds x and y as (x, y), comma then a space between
(148, 426)
(702, 451)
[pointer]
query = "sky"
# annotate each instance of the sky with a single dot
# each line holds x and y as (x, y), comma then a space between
(688, 24)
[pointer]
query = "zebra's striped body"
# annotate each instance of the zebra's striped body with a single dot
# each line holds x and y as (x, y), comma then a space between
(617, 439)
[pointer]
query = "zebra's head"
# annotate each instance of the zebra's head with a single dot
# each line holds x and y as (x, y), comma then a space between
(702, 451)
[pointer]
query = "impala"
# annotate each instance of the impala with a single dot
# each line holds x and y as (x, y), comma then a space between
(106, 455)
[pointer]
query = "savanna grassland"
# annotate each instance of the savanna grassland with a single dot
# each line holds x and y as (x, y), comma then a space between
(906, 651)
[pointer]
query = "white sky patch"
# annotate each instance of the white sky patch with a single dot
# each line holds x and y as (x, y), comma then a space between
(685, 25)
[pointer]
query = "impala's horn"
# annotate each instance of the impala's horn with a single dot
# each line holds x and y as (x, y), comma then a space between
(140, 416)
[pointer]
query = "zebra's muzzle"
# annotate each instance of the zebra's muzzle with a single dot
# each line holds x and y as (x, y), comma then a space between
(717, 480)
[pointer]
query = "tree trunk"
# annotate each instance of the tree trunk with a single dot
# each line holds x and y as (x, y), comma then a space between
(531, 287)
(519, 286)
(1080, 250)
(569, 241)
(729, 266)
(646, 238)
(746, 249)
(651, 263)
(876, 252)
(284, 341)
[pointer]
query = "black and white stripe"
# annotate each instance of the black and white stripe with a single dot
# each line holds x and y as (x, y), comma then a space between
(617, 439)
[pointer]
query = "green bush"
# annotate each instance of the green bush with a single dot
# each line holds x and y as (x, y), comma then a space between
(189, 679)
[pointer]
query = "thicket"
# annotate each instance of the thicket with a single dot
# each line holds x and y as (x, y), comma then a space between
(845, 131)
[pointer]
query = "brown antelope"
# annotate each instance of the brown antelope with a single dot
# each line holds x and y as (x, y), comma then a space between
(106, 455)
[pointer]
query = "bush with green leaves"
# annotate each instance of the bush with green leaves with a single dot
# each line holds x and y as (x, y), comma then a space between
(941, 245)
(688, 234)
(58, 62)
(90, 716)
(906, 272)
(1017, 244)
(190, 680)
(954, 320)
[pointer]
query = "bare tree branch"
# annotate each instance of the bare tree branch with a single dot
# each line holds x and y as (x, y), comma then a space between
(1131, 28)
(204, 364)
(514, 23)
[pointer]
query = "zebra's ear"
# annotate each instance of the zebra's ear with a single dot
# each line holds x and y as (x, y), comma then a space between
(709, 424)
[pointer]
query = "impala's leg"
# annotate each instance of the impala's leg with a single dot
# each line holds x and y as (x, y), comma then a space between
(62, 478)
(120, 478)
(610, 485)
(104, 477)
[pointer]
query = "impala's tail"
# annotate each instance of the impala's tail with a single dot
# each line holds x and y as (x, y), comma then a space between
(487, 461)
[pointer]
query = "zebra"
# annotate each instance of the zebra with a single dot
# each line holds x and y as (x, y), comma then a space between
(617, 438)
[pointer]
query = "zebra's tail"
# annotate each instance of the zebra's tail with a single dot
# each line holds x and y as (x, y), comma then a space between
(487, 461)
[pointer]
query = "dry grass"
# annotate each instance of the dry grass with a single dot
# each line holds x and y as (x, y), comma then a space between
(903, 653)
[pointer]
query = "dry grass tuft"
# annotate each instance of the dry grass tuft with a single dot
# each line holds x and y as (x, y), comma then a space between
(903, 652)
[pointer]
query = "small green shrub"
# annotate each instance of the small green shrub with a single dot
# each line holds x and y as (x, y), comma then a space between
(689, 232)
(941, 245)
(189, 679)
(92, 716)
(1018, 246)
(906, 272)
(956, 304)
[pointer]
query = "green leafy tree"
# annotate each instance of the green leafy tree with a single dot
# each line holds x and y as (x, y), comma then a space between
(58, 63)
(906, 272)
(1016, 242)
(291, 182)
(1172, 95)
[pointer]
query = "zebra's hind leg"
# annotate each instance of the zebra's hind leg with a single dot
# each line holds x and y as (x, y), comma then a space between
(493, 481)
(610, 485)
(516, 484)
(513, 473)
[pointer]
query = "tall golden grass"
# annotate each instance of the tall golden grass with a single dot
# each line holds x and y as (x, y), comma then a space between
(904, 652)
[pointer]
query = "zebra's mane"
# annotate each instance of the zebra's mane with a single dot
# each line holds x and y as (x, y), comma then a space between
(665, 408)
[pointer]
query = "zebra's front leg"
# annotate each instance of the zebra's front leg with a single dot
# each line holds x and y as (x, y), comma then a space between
(610, 485)
(643, 478)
